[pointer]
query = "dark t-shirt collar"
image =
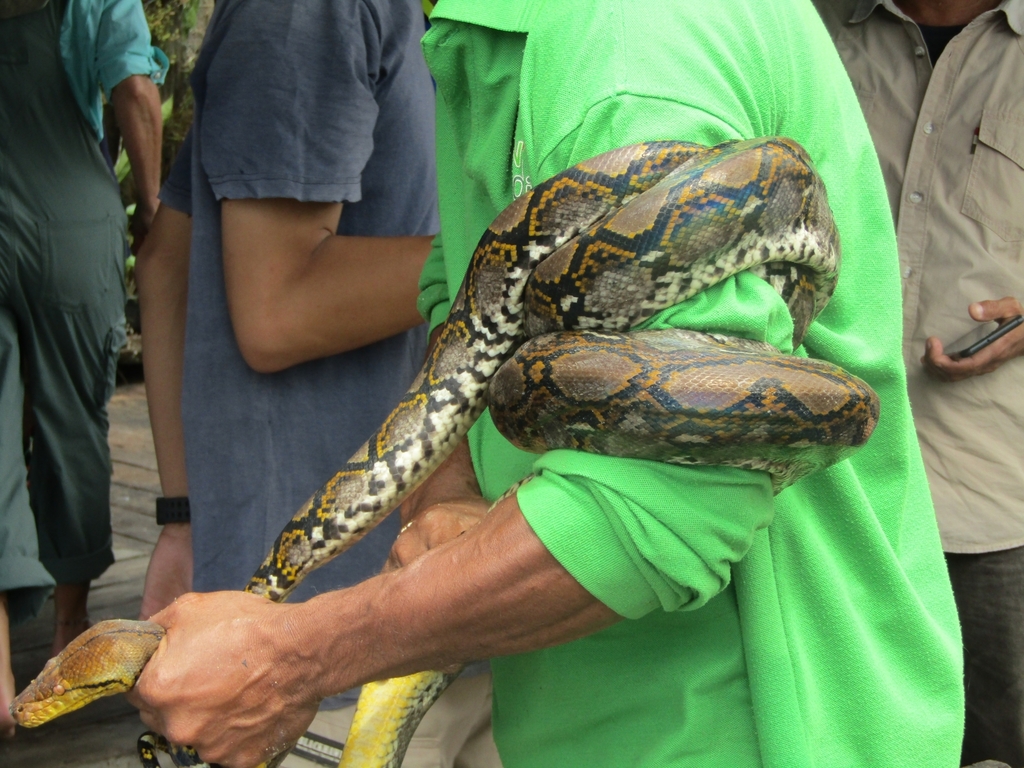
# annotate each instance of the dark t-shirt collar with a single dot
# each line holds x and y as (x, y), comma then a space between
(936, 38)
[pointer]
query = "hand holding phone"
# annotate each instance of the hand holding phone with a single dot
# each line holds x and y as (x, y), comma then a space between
(975, 341)
(982, 351)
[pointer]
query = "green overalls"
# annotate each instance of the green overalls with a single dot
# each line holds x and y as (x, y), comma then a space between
(62, 235)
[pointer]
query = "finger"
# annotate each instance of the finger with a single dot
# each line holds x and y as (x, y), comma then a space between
(994, 355)
(958, 370)
(133, 698)
(934, 354)
(151, 720)
(406, 548)
(394, 562)
(170, 615)
(995, 309)
(934, 371)
(941, 366)
(149, 716)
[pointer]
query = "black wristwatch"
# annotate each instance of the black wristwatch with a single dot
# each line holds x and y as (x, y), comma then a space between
(174, 509)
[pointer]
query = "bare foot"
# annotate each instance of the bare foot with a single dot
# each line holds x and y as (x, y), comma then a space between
(6, 697)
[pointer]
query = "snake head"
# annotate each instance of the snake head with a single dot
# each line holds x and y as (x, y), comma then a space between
(105, 659)
(45, 697)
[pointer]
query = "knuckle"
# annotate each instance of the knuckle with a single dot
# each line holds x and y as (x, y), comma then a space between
(402, 547)
(181, 735)
(154, 683)
(143, 691)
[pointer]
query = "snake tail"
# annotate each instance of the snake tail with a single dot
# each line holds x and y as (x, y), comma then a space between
(105, 659)
(150, 743)
(387, 716)
(147, 746)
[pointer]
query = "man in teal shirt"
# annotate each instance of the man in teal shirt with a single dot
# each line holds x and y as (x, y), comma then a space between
(816, 628)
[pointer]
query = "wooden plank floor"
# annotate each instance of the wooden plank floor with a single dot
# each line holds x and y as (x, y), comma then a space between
(103, 734)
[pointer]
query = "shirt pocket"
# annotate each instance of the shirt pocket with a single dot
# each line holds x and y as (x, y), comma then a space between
(995, 188)
(82, 261)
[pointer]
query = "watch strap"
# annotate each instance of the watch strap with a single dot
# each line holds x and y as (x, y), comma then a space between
(172, 509)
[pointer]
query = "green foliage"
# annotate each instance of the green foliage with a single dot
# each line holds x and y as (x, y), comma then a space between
(176, 124)
(170, 22)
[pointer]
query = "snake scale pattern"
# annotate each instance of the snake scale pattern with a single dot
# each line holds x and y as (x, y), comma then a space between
(540, 330)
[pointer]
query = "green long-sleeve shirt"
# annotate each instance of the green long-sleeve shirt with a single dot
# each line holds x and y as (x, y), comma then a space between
(816, 628)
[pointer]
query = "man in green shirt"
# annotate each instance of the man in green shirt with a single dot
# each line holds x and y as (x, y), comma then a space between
(816, 628)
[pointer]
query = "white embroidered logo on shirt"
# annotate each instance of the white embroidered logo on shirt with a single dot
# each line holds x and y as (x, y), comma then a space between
(521, 183)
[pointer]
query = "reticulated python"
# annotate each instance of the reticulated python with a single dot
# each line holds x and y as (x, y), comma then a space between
(539, 330)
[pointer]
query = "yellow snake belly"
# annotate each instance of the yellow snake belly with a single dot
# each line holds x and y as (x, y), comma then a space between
(574, 265)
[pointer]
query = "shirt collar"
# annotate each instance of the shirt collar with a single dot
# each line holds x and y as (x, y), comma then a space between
(503, 15)
(1013, 9)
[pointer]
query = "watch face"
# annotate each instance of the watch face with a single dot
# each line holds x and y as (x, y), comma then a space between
(11, 8)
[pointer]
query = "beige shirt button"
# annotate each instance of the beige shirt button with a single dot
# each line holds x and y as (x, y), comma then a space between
(929, 127)
(907, 272)
(919, 51)
(916, 197)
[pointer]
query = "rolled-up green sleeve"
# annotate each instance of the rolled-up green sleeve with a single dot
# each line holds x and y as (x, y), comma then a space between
(641, 535)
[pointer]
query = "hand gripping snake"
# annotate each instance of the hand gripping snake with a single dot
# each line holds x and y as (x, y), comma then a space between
(540, 331)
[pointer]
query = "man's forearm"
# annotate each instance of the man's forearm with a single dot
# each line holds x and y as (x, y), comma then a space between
(297, 292)
(136, 103)
(353, 292)
(494, 591)
(161, 274)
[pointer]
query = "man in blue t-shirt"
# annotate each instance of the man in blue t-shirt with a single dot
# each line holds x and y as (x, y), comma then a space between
(278, 297)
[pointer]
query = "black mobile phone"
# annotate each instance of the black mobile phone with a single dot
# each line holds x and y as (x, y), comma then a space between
(981, 337)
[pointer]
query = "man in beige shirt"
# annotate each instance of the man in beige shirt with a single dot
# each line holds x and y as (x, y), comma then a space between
(942, 87)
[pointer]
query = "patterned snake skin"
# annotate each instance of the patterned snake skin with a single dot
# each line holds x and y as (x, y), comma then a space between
(571, 267)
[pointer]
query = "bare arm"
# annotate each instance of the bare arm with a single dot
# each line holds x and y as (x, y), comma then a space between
(297, 292)
(495, 590)
(942, 367)
(136, 103)
(161, 273)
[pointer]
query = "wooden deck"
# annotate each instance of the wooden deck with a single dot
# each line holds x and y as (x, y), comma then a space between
(103, 734)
